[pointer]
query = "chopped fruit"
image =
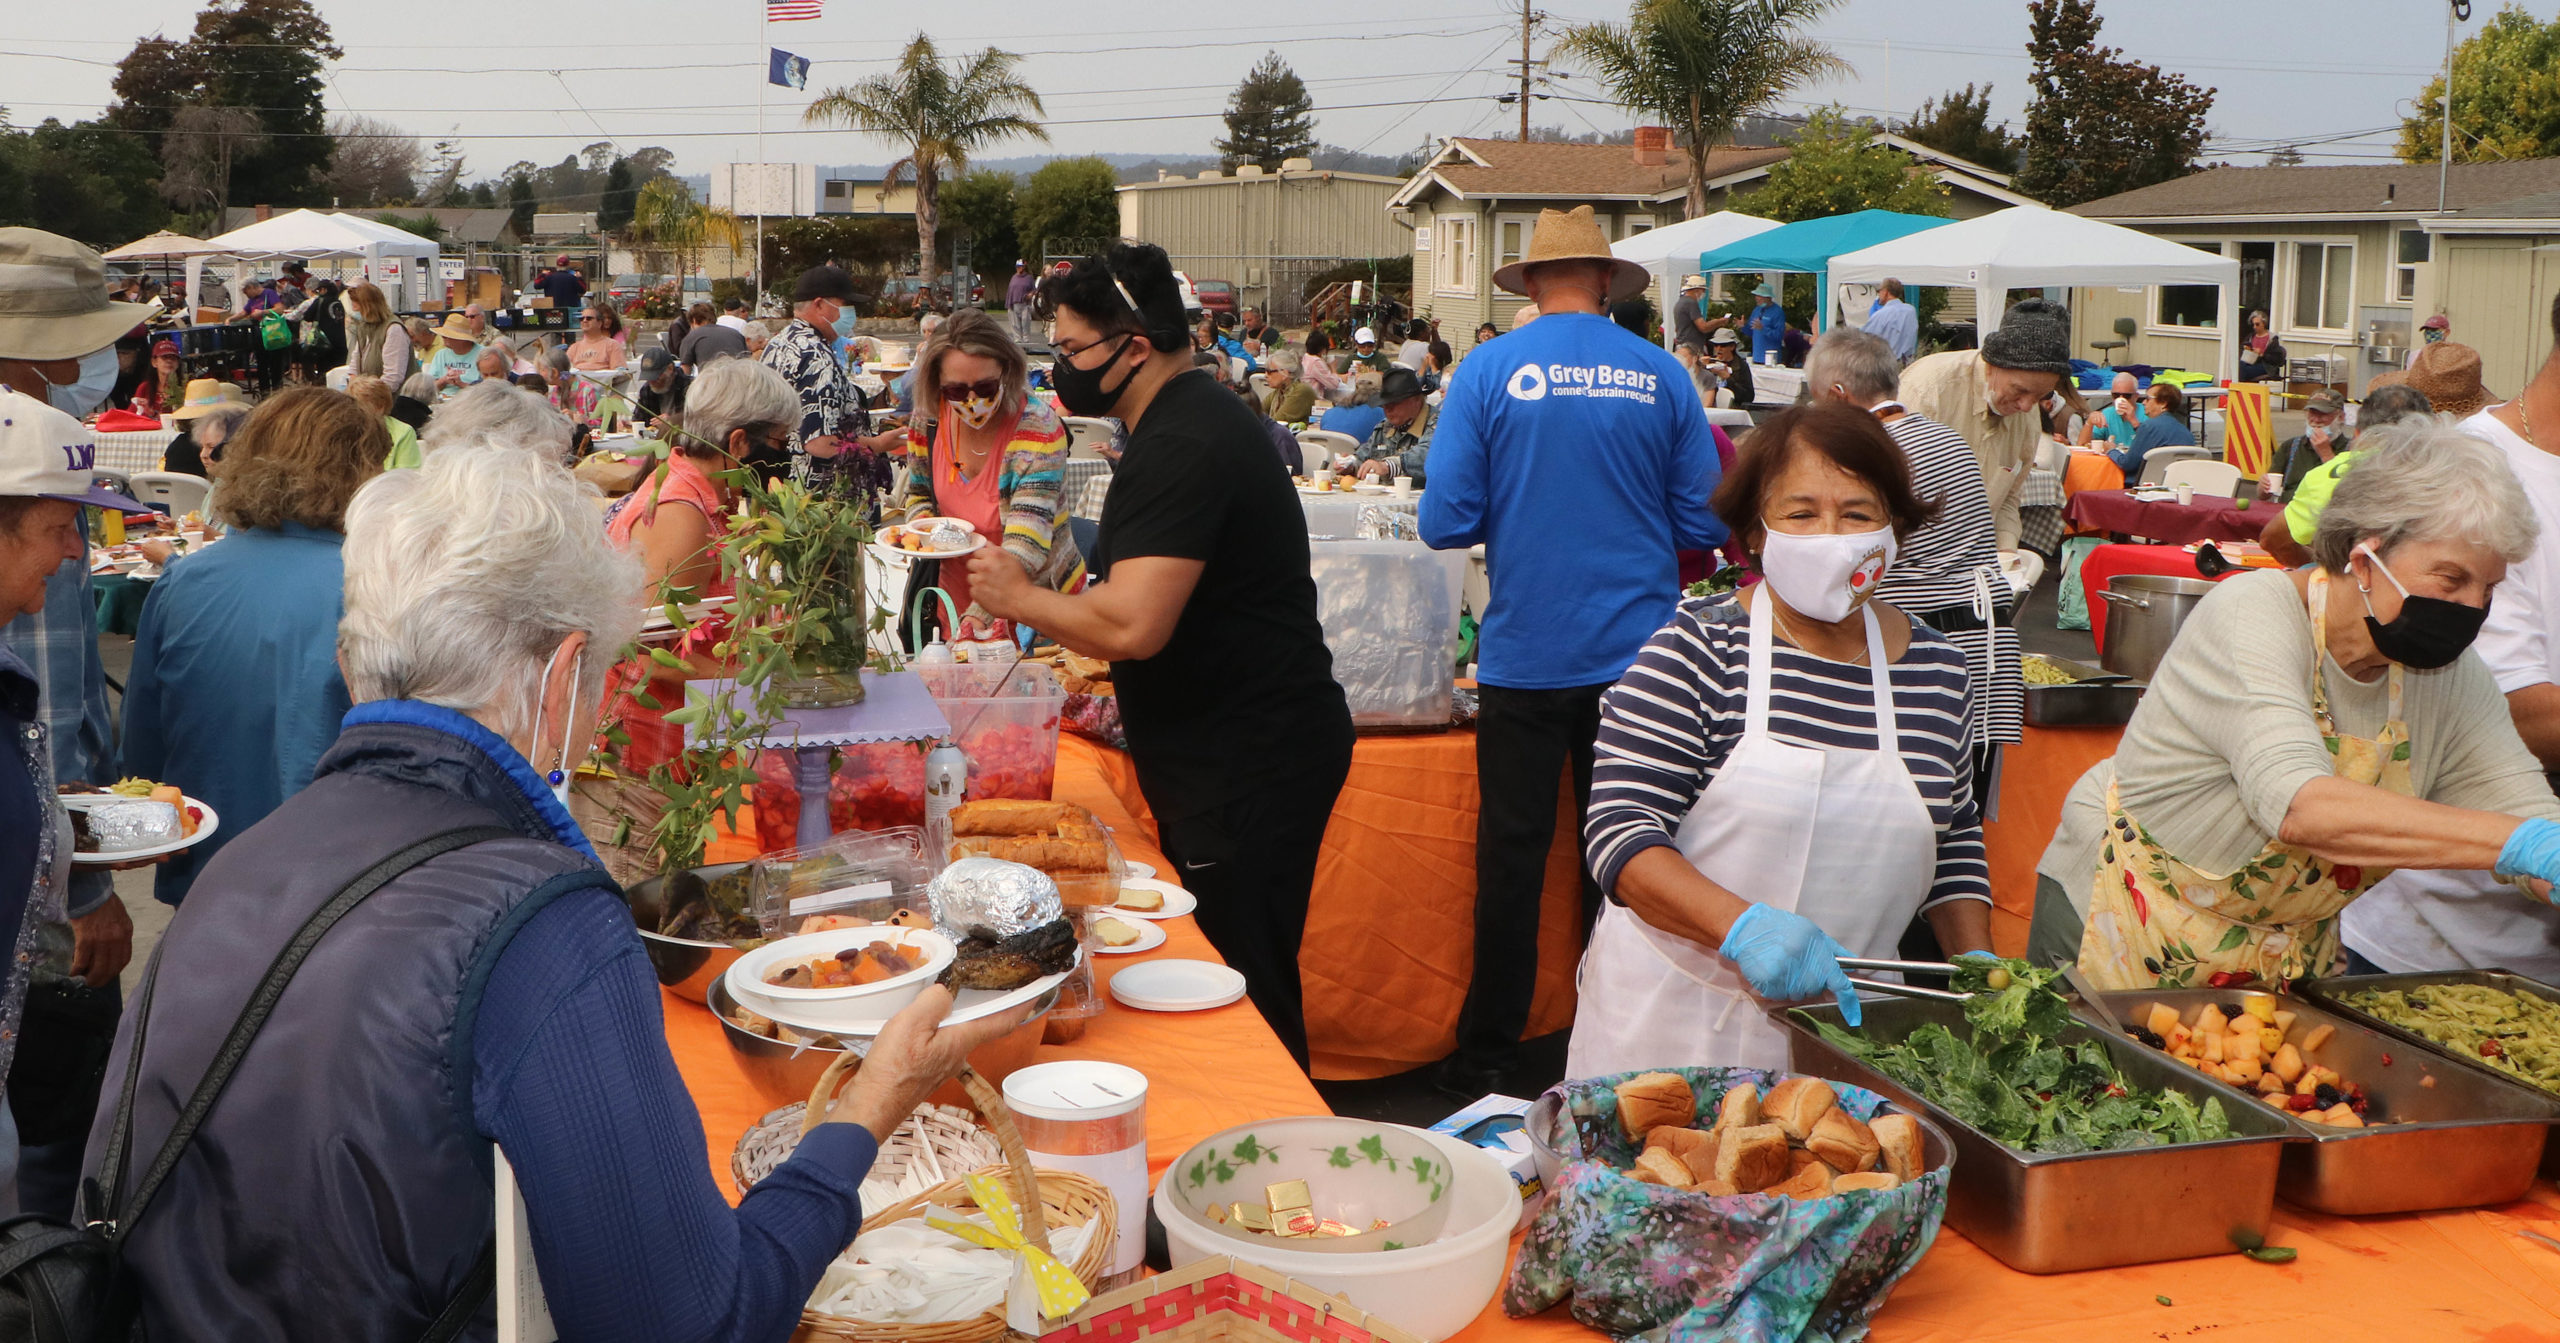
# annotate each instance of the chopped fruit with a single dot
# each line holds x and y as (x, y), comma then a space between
(2260, 1005)
(2162, 1019)
(2319, 1036)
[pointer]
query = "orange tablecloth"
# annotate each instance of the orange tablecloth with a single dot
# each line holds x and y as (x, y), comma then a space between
(2447, 1276)
(2035, 775)
(1391, 924)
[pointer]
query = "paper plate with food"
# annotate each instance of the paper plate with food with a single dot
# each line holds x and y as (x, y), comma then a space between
(928, 539)
(1147, 898)
(1115, 936)
(134, 820)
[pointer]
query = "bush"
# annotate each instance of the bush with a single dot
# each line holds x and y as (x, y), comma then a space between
(1393, 274)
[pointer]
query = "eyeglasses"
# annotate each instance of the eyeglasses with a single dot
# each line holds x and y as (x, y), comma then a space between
(985, 389)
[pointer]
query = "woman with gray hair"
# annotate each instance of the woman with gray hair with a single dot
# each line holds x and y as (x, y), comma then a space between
(2308, 732)
(494, 411)
(490, 992)
(673, 523)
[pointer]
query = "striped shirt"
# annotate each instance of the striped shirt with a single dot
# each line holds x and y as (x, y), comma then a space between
(1667, 726)
(1936, 567)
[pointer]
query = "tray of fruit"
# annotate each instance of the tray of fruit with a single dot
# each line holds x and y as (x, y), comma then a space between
(2395, 1127)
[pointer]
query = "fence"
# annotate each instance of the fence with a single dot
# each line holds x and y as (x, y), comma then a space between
(1276, 284)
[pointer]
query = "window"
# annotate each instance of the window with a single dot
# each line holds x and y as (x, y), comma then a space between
(2323, 281)
(2191, 305)
(1511, 238)
(2414, 250)
(1637, 224)
(1453, 247)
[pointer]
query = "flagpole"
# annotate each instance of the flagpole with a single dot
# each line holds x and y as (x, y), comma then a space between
(764, 30)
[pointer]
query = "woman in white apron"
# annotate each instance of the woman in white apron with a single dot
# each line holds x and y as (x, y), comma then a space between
(1780, 776)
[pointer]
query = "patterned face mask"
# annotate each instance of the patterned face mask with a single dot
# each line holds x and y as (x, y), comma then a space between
(974, 411)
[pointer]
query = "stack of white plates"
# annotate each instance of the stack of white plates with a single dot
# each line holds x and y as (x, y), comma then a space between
(1177, 986)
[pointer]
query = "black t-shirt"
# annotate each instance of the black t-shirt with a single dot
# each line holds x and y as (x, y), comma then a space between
(1244, 690)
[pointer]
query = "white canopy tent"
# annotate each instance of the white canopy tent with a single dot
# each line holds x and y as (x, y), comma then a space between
(1672, 251)
(388, 254)
(2031, 247)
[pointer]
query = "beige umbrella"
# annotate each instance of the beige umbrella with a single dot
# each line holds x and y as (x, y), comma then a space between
(162, 244)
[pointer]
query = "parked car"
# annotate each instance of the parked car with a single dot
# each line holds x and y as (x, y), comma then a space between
(1217, 296)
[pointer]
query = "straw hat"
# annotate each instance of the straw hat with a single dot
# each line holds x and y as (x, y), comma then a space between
(1688, 282)
(206, 395)
(1573, 235)
(54, 303)
(2449, 376)
(454, 328)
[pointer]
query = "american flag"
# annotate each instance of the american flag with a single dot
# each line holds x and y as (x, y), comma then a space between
(784, 11)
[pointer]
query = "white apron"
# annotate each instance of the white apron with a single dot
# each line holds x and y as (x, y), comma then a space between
(1840, 837)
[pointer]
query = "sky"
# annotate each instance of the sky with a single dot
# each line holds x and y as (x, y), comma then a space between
(1149, 76)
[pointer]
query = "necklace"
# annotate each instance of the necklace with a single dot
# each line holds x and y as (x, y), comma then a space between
(1859, 661)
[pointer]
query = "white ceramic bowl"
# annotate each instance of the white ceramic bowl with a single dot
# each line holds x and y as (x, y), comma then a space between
(1431, 1290)
(826, 1009)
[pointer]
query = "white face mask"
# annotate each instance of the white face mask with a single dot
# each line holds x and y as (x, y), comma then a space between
(87, 392)
(558, 778)
(1825, 576)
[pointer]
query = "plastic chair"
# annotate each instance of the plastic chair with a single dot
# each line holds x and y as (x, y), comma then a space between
(2205, 476)
(2156, 463)
(1087, 437)
(1331, 443)
(179, 492)
(2108, 349)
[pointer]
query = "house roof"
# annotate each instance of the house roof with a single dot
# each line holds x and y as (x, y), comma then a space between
(1477, 169)
(2378, 191)
(1290, 174)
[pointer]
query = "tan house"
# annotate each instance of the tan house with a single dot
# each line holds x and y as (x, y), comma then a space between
(2347, 262)
(1474, 206)
(1265, 233)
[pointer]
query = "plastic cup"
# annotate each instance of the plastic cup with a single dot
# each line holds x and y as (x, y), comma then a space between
(2186, 494)
(1404, 487)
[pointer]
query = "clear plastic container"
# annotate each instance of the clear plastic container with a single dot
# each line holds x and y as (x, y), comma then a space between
(868, 875)
(1006, 720)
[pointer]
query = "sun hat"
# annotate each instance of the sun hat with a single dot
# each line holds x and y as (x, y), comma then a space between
(2034, 337)
(1723, 335)
(453, 329)
(54, 303)
(205, 396)
(1573, 235)
(2449, 376)
(1693, 282)
(1364, 336)
(1764, 291)
(46, 454)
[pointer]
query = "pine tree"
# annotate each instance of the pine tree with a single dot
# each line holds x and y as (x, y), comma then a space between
(1961, 124)
(2099, 124)
(621, 199)
(1270, 117)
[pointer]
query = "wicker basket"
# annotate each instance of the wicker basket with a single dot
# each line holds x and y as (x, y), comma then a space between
(1042, 1196)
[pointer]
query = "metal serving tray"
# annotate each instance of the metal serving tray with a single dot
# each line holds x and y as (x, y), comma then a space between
(2095, 697)
(2059, 1214)
(2454, 1137)
(2331, 993)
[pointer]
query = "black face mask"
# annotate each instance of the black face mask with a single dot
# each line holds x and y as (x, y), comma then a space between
(2429, 632)
(1080, 391)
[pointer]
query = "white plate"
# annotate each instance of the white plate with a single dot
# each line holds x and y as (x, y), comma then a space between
(1150, 937)
(1177, 986)
(1373, 489)
(1137, 870)
(1177, 901)
(204, 829)
(970, 1005)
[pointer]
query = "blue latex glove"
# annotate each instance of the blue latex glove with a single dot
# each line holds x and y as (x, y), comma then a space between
(2532, 851)
(1787, 956)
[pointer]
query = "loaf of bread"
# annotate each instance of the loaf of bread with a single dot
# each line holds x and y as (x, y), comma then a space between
(1740, 1107)
(1898, 1139)
(1839, 1139)
(1052, 856)
(1652, 1100)
(1008, 816)
(1797, 1104)
(1812, 1182)
(1752, 1159)
(1865, 1180)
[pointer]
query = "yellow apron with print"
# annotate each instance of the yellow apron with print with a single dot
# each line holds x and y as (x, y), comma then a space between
(2156, 922)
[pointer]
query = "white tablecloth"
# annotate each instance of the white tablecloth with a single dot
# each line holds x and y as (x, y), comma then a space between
(1775, 384)
(133, 452)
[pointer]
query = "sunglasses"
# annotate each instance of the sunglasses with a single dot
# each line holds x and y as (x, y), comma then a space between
(985, 389)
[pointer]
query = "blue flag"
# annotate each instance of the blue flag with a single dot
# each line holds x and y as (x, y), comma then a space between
(787, 70)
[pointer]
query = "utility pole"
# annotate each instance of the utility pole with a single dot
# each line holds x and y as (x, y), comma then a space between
(2455, 11)
(1528, 68)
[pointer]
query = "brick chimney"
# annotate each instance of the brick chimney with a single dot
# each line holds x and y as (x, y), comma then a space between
(265, 213)
(1653, 145)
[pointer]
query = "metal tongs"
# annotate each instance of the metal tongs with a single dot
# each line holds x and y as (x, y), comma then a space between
(1907, 968)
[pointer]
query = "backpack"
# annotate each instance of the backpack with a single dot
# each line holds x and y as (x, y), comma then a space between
(274, 332)
(62, 1283)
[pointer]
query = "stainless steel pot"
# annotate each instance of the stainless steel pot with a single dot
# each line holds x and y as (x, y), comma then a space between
(2149, 609)
(683, 964)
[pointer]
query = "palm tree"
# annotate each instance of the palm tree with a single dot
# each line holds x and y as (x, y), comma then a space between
(667, 221)
(942, 115)
(1703, 65)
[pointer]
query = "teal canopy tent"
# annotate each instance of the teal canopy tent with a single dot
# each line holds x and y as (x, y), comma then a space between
(1810, 244)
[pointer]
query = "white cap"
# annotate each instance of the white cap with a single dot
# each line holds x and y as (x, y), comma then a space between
(45, 454)
(1364, 336)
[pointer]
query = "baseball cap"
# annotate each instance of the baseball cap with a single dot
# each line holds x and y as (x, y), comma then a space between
(654, 361)
(823, 282)
(2435, 323)
(1364, 336)
(45, 454)
(2325, 401)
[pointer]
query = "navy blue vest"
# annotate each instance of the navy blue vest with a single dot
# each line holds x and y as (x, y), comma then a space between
(339, 1190)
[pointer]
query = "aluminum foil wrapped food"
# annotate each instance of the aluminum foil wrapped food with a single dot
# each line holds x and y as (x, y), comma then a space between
(946, 535)
(132, 823)
(993, 898)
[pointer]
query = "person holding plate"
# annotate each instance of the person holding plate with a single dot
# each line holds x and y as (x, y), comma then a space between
(996, 459)
(1785, 776)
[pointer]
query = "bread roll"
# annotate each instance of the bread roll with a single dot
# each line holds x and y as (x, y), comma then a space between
(1652, 1100)
(1740, 1107)
(1657, 1166)
(1752, 1159)
(1806, 1185)
(1052, 856)
(1798, 1159)
(1866, 1180)
(1840, 1139)
(1898, 1139)
(1696, 1150)
(1798, 1104)
(1008, 816)
(1718, 1188)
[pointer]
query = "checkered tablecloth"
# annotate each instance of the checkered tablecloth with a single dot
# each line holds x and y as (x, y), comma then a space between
(2040, 512)
(133, 452)
(1087, 489)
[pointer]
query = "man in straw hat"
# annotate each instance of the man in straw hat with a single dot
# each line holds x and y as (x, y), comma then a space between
(1993, 397)
(1579, 457)
(2421, 920)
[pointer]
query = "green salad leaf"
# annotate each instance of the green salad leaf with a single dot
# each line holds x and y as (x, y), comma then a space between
(2017, 1082)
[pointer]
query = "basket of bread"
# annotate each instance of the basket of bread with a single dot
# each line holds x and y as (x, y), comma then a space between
(1690, 1200)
